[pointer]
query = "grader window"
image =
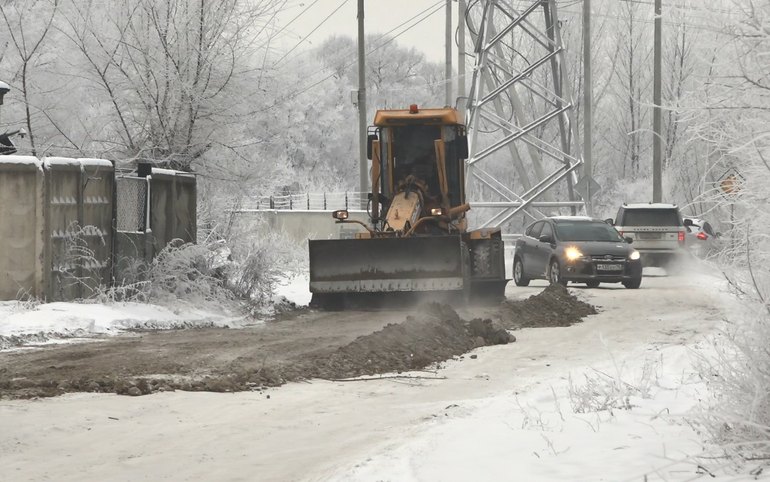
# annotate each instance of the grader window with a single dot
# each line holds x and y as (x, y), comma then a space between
(454, 165)
(414, 154)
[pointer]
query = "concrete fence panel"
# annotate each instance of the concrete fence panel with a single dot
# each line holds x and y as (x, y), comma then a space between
(21, 238)
(78, 226)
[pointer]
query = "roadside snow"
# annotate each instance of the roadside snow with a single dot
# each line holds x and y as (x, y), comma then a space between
(295, 289)
(29, 324)
(23, 325)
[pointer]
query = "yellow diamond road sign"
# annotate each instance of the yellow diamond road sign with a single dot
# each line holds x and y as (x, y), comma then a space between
(730, 182)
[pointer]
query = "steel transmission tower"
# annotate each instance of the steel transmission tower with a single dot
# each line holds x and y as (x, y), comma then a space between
(524, 152)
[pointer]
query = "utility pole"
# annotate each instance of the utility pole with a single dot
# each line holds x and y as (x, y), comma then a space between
(363, 164)
(461, 56)
(657, 113)
(587, 103)
(448, 52)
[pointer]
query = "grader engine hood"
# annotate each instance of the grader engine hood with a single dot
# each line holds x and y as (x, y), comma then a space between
(404, 209)
(430, 263)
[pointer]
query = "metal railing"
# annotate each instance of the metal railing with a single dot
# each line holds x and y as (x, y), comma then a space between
(307, 201)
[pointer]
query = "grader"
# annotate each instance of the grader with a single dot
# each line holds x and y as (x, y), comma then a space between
(417, 238)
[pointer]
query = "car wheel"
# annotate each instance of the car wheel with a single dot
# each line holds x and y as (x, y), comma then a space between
(554, 274)
(633, 283)
(518, 273)
(592, 284)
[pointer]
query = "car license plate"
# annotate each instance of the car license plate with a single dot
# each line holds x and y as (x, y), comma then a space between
(649, 235)
(609, 267)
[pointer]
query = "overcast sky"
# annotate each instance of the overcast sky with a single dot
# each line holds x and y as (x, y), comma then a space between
(381, 16)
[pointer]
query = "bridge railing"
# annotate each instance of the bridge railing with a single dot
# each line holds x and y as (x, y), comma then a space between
(307, 201)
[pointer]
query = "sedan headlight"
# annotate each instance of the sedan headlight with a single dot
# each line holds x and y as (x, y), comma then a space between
(634, 255)
(572, 253)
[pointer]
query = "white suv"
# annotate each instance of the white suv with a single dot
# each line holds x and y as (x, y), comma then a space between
(657, 231)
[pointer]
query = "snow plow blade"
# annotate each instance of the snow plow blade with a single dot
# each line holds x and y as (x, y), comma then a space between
(382, 265)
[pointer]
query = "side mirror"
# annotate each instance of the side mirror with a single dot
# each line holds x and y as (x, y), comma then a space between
(544, 238)
(629, 239)
(609, 221)
(369, 139)
(687, 222)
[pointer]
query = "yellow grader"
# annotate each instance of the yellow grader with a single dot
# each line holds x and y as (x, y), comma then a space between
(417, 239)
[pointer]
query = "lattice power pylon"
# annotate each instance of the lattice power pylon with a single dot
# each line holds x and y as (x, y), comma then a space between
(524, 152)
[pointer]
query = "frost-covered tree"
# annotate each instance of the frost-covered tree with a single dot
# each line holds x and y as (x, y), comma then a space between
(28, 24)
(735, 123)
(168, 70)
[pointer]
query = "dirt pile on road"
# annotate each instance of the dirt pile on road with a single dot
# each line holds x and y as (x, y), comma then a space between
(436, 333)
(554, 306)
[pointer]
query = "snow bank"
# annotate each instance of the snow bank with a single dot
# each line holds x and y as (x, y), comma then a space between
(22, 325)
(294, 289)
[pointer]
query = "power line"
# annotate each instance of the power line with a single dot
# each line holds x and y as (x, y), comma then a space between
(438, 6)
(686, 7)
(707, 28)
(439, 2)
(304, 10)
(305, 89)
(311, 32)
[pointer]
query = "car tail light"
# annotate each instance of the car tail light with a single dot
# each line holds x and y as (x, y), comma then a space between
(621, 233)
(681, 237)
(702, 236)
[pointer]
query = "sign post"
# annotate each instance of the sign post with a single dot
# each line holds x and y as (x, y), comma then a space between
(729, 185)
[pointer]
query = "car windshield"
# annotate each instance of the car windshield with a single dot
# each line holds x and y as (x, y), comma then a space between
(586, 231)
(650, 217)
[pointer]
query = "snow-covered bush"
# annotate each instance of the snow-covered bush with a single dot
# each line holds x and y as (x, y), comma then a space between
(738, 417)
(241, 267)
(181, 271)
(601, 391)
(188, 271)
(260, 259)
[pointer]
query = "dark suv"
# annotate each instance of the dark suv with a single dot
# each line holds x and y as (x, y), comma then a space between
(656, 229)
(575, 248)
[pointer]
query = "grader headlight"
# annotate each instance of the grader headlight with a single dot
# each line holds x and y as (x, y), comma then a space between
(340, 214)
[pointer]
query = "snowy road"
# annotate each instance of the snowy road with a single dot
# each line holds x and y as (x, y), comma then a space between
(422, 429)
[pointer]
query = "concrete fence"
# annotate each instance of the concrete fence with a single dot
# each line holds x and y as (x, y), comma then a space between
(60, 230)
